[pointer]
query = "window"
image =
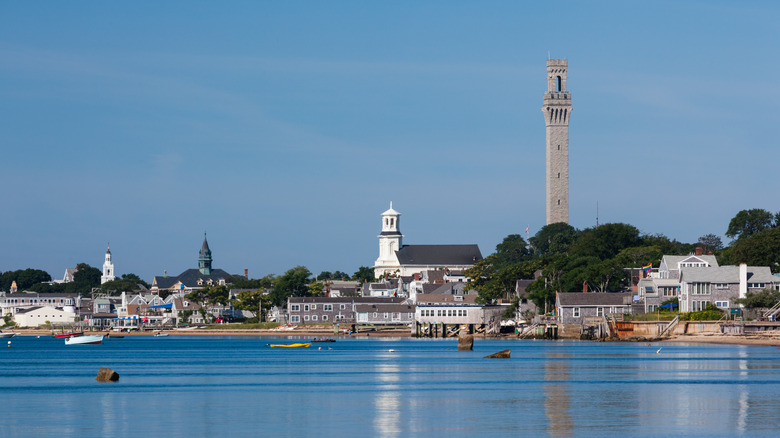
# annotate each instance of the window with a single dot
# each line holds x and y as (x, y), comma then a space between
(599, 311)
(314, 317)
(313, 307)
(342, 306)
(721, 286)
(558, 84)
(755, 285)
(700, 289)
(305, 307)
(293, 307)
(465, 312)
(575, 312)
(722, 304)
(384, 316)
(324, 317)
(559, 202)
(327, 307)
(305, 317)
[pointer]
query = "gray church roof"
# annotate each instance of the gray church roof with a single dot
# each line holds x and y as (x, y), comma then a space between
(439, 255)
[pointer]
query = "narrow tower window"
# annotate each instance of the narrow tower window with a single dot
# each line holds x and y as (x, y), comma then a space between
(558, 83)
(559, 175)
(559, 147)
(559, 202)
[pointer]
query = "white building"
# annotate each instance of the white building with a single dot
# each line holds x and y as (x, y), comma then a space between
(36, 316)
(398, 259)
(108, 268)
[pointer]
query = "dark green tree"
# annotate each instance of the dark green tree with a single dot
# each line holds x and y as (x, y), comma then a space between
(85, 278)
(25, 278)
(364, 274)
(761, 299)
(710, 243)
(294, 283)
(512, 250)
(605, 241)
(338, 275)
(553, 239)
(759, 249)
(749, 222)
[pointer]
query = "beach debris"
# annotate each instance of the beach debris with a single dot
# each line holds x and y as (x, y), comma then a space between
(466, 343)
(504, 354)
(107, 375)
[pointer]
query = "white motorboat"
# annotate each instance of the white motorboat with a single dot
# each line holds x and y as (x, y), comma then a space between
(85, 339)
(7, 335)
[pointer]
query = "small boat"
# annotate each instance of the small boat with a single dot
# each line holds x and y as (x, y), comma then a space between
(160, 334)
(290, 345)
(323, 340)
(84, 339)
(68, 335)
(7, 335)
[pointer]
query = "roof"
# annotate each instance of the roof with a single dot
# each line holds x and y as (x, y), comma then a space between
(451, 289)
(583, 299)
(446, 299)
(727, 274)
(379, 307)
(326, 300)
(439, 255)
(672, 261)
(190, 278)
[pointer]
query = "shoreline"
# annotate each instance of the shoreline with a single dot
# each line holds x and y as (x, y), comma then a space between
(758, 338)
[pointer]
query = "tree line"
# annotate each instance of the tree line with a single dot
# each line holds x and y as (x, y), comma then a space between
(595, 259)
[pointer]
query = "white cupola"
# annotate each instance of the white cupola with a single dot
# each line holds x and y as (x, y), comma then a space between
(108, 268)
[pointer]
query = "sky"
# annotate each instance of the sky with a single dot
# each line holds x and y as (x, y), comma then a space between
(284, 129)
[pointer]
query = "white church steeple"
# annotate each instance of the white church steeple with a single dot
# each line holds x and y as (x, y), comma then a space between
(108, 268)
(390, 241)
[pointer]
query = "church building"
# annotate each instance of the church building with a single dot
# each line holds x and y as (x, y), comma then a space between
(398, 259)
(192, 279)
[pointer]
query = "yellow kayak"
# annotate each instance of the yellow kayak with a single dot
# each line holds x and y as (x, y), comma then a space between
(290, 345)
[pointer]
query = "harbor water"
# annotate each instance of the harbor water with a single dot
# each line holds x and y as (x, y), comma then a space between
(237, 386)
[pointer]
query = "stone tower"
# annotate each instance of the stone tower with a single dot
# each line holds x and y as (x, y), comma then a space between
(204, 258)
(557, 111)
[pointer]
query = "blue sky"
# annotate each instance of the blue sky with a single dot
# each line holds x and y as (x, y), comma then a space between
(284, 129)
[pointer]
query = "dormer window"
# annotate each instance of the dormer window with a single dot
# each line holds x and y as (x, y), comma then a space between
(200, 282)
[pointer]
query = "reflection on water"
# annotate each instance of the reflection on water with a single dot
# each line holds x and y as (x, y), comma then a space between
(556, 395)
(387, 401)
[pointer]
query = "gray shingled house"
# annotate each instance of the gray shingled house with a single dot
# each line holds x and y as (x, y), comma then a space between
(574, 307)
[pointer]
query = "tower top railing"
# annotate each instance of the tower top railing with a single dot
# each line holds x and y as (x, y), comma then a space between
(557, 62)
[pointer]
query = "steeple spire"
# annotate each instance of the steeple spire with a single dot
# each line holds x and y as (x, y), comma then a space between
(204, 259)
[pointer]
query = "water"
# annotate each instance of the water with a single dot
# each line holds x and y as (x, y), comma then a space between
(212, 386)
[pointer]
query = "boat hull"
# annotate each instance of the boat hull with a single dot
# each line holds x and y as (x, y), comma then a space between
(289, 345)
(84, 340)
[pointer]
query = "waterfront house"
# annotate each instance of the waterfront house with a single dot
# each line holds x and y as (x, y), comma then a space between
(303, 310)
(400, 314)
(575, 307)
(720, 286)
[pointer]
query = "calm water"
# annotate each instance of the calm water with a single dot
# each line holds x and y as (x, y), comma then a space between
(193, 386)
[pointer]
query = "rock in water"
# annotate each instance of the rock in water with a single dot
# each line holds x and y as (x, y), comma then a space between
(466, 343)
(107, 375)
(500, 355)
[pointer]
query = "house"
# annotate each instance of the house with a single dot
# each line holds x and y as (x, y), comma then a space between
(38, 315)
(303, 310)
(575, 307)
(400, 314)
(671, 265)
(397, 259)
(11, 303)
(192, 279)
(720, 286)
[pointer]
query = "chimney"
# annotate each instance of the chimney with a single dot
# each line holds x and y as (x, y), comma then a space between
(698, 251)
(246, 273)
(584, 286)
(742, 280)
